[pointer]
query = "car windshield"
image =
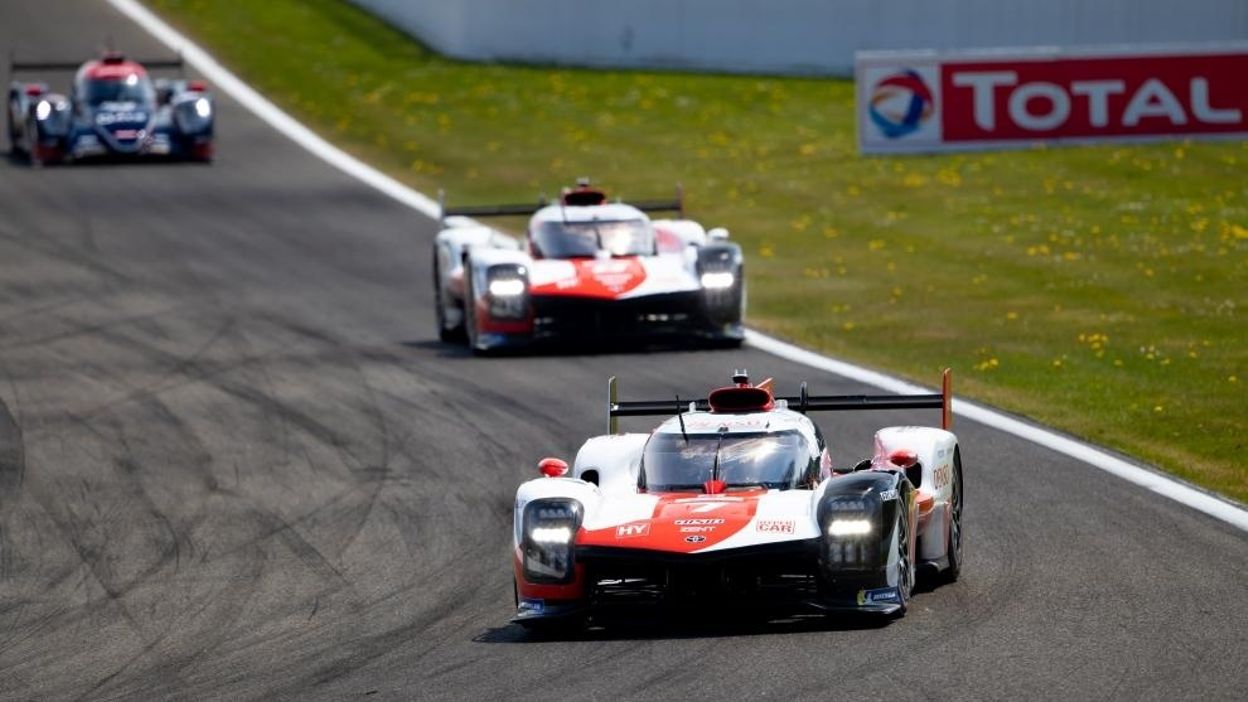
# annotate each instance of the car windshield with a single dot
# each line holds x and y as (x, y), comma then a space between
(770, 460)
(633, 237)
(132, 88)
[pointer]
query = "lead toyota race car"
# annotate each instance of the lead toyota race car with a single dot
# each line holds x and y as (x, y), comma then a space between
(114, 109)
(588, 270)
(733, 504)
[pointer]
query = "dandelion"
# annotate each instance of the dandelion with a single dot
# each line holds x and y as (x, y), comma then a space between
(1011, 315)
(1232, 379)
(987, 364)
(831, 232)
(848, 326)
(1158, 409)
(766, 251)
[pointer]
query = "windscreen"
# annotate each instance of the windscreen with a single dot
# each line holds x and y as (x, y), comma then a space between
(132, 88)
(773, 460)
(632, 237)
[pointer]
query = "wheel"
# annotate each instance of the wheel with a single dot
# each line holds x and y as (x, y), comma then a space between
(470, 311)
(955, 522)
(445, 333)
(14, 148)
(32, 153)
(905, 568)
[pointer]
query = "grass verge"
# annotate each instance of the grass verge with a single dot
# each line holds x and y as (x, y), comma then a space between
(1100, 290)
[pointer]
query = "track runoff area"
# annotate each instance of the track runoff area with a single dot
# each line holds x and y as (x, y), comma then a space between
(227, 82)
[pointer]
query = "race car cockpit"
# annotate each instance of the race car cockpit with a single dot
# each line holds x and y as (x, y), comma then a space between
(675, 462)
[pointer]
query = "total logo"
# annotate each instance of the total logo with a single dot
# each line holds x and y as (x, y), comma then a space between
(901, 103)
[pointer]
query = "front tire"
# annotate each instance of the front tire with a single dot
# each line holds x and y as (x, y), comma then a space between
(446, 333)
(904, 569)
(470, 312)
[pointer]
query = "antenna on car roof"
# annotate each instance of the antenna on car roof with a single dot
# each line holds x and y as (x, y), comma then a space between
(680, 416)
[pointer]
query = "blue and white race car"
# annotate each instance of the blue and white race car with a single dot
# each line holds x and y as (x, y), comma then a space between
(114, 109)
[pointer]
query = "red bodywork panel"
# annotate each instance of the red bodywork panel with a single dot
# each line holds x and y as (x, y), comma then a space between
(100, 70)
(605, 279)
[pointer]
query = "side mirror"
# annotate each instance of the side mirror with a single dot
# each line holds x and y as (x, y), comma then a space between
(717, 234)
(552, 467)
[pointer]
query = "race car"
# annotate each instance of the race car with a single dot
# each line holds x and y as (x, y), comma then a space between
(588, 270)
(114, 110)
(733, 505)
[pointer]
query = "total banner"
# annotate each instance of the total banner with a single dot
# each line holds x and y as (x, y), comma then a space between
(913, 102)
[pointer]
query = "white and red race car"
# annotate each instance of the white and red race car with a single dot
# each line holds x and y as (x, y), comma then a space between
(588, 270)
(734, 501)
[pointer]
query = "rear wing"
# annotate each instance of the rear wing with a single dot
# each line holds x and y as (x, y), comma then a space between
(803, 402)
(675, 205)
(24, 66)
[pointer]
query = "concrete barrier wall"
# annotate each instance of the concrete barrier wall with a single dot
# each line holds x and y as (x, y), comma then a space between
(789, 36)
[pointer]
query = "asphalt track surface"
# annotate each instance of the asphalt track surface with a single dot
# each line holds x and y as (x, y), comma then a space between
(236, 463)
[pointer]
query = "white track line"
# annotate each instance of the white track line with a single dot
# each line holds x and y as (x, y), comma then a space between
(228, 83)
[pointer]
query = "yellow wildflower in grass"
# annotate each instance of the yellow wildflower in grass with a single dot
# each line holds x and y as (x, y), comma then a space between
(876, 245)
(848, 326)
(1011, 315)
(949, 177)
(807, 149)
(914, 180)
(987, 364)
(831, 232)
(1232, 379)
(800, 224)
(1158, 409)
(766, 251)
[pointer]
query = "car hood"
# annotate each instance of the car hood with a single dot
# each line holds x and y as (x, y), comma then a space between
(610, 278)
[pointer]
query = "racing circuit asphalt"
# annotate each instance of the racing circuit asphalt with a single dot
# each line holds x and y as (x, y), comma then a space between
(235, 463)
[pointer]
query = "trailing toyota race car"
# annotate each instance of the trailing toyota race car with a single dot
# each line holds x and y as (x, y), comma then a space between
(733, 503)
(114, 109)
(588, 270)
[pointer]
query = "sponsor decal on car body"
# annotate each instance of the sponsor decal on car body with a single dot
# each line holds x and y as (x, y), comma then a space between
(627, 531)
(776, 526)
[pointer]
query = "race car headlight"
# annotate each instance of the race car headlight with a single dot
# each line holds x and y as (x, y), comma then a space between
(849, 527)
(507, 292)
(850, 532)
(43, 110)
(193, 115)
(549, 528)
(721, 280)
(507, 287)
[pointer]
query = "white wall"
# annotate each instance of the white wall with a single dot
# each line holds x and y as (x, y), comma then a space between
(789, 36)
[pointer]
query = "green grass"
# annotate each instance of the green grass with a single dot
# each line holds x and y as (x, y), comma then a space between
(1100, 289)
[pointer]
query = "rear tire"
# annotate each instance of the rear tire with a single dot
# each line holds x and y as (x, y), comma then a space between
(955, 522)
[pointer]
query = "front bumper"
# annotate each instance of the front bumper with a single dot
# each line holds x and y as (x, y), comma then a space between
(670, 317)
(784, 578)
